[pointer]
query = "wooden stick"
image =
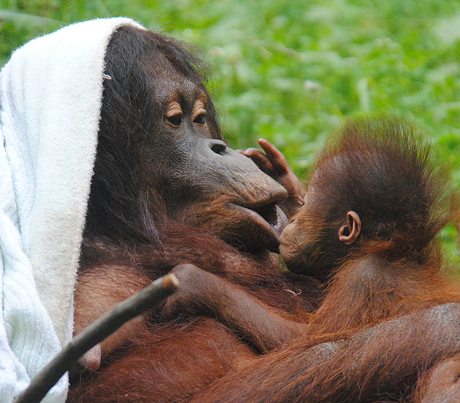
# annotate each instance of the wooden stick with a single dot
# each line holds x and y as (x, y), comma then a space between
(95, 333)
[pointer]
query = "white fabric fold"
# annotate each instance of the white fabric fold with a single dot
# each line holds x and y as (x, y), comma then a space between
(51, 92)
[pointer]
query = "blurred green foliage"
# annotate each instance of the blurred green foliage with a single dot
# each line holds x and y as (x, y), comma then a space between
(291, 71)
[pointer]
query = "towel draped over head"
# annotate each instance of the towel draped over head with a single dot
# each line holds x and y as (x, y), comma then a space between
(51, 92)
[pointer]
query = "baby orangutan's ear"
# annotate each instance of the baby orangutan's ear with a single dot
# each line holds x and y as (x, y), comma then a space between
(350, 232)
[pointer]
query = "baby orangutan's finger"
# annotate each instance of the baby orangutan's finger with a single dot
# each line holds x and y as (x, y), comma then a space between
(260, 159)
(275, 156)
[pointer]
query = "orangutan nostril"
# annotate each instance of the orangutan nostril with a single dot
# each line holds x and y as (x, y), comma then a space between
(218, 147)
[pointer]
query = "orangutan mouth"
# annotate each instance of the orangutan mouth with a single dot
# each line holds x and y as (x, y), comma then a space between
(266, 222)
(274, 216)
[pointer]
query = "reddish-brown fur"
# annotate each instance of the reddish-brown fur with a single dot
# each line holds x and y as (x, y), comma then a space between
(157, 358)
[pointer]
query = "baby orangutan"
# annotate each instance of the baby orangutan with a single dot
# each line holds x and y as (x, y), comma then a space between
(368, 230)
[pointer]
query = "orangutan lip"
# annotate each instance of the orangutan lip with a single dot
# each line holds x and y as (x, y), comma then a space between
(274, 216)
(282, 221)
(270, 218)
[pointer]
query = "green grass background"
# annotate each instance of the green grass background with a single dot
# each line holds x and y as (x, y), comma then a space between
(291, 71)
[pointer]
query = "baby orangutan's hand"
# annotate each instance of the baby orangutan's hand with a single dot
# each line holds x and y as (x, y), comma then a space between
(274, 164)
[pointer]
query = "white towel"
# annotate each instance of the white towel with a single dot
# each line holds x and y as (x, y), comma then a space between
(51, 93)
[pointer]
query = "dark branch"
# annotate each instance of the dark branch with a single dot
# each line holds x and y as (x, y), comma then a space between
(95, 333)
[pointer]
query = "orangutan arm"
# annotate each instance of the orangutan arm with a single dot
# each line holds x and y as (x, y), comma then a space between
(201, 292)
(380, 361)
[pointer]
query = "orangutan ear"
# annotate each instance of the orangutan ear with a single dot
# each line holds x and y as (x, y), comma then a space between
(350, 232)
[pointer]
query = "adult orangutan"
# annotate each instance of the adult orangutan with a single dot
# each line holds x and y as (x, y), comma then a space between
(368, 229)
(167, 190)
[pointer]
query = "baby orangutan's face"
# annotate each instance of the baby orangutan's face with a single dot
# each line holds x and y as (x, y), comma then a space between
(299, 241)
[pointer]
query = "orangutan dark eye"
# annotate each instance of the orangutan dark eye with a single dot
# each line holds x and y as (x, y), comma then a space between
(173, 116)
(200, 119)
(199, 113)
(175, 120)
